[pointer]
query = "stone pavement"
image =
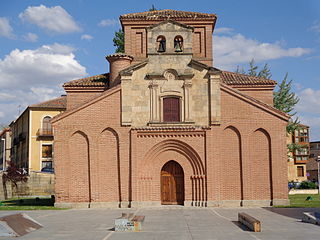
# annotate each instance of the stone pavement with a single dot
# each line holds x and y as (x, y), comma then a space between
(168, 223)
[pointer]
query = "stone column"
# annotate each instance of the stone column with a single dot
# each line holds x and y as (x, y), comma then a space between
(186, 86)
(154, 102)
(215, 99)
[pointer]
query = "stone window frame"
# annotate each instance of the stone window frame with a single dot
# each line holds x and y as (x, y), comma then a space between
(181, 106)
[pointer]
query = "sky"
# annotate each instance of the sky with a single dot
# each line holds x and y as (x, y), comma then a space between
(46, 43)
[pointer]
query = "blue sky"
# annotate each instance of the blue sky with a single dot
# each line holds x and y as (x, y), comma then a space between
(46, 43)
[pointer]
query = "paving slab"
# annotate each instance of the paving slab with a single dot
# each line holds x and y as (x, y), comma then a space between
(169, 223)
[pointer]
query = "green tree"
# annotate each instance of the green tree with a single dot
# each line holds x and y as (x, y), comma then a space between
(153, 8)
(118, 41)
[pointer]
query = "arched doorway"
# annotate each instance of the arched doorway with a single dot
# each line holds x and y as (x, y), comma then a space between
(172, 183)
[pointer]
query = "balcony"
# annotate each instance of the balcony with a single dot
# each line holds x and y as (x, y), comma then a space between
(301, 159)
(45, 132)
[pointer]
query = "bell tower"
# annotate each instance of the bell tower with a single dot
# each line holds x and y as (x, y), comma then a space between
(137, 42)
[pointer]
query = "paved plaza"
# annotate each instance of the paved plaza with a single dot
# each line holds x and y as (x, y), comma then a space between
(169, 223)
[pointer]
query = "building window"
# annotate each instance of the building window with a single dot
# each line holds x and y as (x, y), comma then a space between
(178, 44)
(171, 109)
(300, 171)
(47, 151)
(161, 44)
(46, 125)
(46, 165)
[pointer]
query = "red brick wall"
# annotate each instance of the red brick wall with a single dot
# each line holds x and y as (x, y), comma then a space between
(213, 160)
(265, 96)
(76, 99)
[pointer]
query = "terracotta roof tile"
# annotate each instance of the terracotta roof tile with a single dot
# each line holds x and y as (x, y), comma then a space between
(60, 102)
(167, 14)
(231, 78)
(100, 80)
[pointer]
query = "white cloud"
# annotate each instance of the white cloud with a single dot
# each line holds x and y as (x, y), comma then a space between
(309, 101)
(86, 37)
(33, 76)
(54, 19)
(229, 51)
(224, 30)
(107, 22)
(308, 109)
(5, 28)
(48, 65)
(31, 37)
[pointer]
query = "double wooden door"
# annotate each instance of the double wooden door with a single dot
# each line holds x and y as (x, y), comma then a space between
(172, 183)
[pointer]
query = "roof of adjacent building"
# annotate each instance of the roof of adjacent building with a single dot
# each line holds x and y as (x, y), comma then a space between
(167, 14)
(60, 102)
(100, 80)
(232, 78)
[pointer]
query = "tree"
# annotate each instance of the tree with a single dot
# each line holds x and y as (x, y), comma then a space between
(14, 175)
(118, 41)
(153, 8)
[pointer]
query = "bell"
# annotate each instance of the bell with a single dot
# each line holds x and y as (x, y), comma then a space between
(161, 46)
(177, 47)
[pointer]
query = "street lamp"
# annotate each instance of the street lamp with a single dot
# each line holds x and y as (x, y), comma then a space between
(318, 160)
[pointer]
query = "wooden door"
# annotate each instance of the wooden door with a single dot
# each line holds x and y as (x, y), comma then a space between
(172, 183)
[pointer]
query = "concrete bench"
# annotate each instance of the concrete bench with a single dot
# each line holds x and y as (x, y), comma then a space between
(250, 222)
(128, 222)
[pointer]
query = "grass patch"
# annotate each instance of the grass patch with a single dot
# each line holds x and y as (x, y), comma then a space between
(28, 204)
(299, 201)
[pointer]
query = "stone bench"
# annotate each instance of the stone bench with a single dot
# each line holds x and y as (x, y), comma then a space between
(128, 222)
(250, 222)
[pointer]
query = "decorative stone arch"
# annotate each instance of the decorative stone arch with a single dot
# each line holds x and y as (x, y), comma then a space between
(191, 163)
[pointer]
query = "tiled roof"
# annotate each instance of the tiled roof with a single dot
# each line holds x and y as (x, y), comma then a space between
(100, 80)
(167, 14)
(231, 78)
(60, 102)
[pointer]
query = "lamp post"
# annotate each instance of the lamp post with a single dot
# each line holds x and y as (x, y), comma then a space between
(318, 160)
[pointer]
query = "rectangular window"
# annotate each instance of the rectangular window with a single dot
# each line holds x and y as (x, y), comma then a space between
(171, 109)
(300, 171)
(47, 151)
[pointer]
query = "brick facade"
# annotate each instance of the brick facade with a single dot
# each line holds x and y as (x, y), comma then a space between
(110, 150)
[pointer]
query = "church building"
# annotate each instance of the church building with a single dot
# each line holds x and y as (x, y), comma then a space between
(165, 126)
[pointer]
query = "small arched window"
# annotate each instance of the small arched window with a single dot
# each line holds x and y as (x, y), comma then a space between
(161, 44)
(171, 109)
(46, 125)
(178, 44)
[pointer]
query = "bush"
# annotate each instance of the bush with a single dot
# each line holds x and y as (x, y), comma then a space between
(307, 185)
